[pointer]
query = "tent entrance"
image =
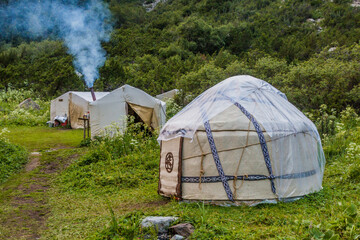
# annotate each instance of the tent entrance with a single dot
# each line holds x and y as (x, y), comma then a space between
(170, 168)
(141, 114)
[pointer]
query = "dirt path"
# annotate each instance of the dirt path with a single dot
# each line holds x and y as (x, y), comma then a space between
(28, 197)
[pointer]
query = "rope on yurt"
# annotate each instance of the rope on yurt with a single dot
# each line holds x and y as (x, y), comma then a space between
(250, 145)
(237, 168)
(262, 141)
(202, 172)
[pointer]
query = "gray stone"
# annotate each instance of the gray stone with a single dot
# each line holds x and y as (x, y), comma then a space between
(355, 3)
(161, 224)
(29, 103)
(183, 229)
(310, 20)
(177, 237)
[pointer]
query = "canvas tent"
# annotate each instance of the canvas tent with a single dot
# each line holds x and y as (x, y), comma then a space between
(73, 105)
(124, 101)
(167, 95)
(241, 140)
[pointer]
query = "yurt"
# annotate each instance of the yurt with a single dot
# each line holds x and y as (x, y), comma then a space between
(73, 105)
(239, 141)
(124, 101)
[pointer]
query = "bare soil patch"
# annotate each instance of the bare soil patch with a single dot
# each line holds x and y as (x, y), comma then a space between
(152, 204)
(34, 161)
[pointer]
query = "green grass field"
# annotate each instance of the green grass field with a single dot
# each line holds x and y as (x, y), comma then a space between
(42, 138)
(79, 188)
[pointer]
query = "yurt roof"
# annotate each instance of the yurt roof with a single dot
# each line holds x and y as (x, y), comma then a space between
(251, 95)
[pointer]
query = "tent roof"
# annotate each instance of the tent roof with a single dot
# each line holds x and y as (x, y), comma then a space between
(136, 96)
(168, 94)
(86, 95)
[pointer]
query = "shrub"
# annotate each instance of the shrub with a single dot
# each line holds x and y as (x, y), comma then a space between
(172, 108)
(12, 158)
(117, 160)
(11, 114)
(127, 227)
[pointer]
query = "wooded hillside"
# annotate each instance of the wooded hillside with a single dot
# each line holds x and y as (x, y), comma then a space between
(308, 49)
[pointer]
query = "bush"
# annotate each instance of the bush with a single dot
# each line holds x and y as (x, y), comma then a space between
(11, 114)
(172, 108)
(12, 158)
(116, 161)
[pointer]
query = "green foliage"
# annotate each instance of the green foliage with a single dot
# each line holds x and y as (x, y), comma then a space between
(11, 114)
(85, 142)
(172, 108)
(127, 227)
(340, 135)
(118, 160)
(12, 157)
(324, 79)
(325, 120)
(307, 49)
(344, 225)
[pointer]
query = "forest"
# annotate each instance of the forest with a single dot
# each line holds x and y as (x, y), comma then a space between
(307, 49)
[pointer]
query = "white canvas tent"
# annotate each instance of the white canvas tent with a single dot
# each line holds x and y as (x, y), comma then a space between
(241, 140)
(73, 105)
(121, 102)
(167, 95)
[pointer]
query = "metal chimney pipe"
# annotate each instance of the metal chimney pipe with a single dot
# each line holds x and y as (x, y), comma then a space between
(93, 93)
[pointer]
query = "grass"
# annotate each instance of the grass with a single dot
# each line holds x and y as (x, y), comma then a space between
(24, 196)
(81, 211)
(307, 218)
(12, 159)
(42, 138)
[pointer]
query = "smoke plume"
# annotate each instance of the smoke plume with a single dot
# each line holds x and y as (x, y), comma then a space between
(82, 25)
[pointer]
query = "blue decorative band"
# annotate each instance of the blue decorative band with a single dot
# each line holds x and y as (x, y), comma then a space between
(261, 139)
(213, 179)
(217, 160)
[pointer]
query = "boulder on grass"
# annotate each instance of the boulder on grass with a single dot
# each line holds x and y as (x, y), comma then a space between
(177, 237)
(160, 224)
(183, 229)
(29, 104)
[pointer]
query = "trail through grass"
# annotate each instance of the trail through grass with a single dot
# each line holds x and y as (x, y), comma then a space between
(24, 196)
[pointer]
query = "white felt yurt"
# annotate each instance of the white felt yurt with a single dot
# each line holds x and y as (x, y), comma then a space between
(73, 105)
(241, 140)
(124, 101)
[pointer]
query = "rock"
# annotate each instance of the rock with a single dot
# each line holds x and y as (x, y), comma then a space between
(355, 3)
(183, 229)
(163, 236)
(161, 224)
(29, 103)
(310, 20)
(177, 237)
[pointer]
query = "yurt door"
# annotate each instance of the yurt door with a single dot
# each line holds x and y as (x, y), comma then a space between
(170, 168)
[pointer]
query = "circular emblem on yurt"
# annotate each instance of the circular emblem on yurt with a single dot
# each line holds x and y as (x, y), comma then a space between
(169, 162)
